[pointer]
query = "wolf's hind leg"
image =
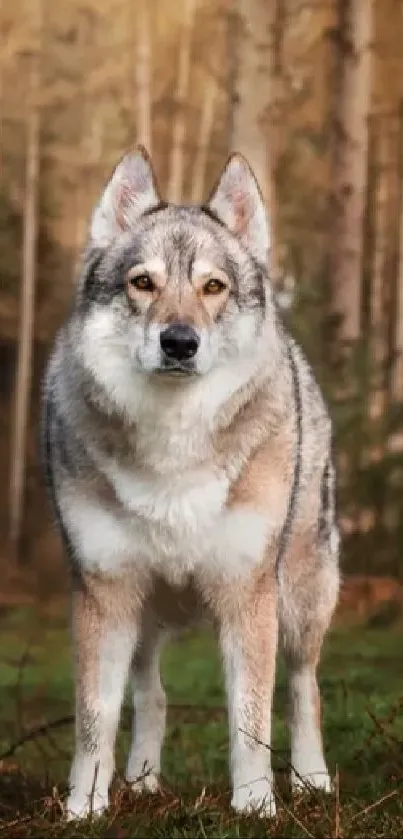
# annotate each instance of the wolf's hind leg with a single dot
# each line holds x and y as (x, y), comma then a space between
(149, 701)
(307, 602)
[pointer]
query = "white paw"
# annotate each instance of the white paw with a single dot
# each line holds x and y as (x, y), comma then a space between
(303, 781)
(255, 797)
(81, 807)
(146, 783)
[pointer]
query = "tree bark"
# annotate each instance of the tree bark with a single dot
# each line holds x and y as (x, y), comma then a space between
(277, 132)
(204, 140)
(177, 167)
(91, 140)
(1, 93)
(251, 97)
(27, 306)
(350, 160)
(397, 371)
(144, 75)
(253, 39)
(378, 326)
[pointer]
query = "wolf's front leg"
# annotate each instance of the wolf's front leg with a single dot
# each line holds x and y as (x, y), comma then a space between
(249, 641)
(105, 631)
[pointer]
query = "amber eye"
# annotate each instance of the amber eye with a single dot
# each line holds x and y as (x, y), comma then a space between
(214, 287)
(142, 282)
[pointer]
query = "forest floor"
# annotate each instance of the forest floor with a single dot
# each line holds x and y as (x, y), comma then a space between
(361, 678)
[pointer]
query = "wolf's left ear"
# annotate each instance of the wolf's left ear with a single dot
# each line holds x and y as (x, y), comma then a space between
(130, 191)
(238, 203)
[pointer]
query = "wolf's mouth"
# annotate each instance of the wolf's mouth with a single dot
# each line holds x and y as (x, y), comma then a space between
(177, 370)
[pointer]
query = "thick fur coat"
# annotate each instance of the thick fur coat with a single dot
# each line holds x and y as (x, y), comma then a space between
(188, 455)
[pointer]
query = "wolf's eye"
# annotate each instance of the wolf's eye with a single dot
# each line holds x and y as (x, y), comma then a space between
(142, 282)
(213, 287)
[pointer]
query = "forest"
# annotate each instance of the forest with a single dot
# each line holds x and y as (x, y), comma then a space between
(311, 92)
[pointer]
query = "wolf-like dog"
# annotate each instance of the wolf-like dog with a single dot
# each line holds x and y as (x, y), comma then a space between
(188, 456)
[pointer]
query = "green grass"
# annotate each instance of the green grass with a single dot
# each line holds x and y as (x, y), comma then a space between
(362, 685)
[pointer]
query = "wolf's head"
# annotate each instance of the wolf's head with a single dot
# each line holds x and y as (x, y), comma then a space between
(176, 291)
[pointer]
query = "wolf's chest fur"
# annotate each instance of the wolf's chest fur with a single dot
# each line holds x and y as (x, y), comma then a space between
(168, 509)
(173, 517)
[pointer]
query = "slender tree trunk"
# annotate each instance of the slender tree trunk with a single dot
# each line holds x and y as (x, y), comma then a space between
(1, 93)
(397, 371)
(92, 139)
(251, 71)
(350, 159)
(277, 130)
(143, 74)
(232, 45)
(27, 307)
(378, 330)
(176, 174)
(81, 187)
(204, 140)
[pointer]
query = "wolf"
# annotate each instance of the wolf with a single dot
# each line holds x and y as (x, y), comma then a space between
(188, 454)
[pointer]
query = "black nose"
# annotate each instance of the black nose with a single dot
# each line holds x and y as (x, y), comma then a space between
(179, 341)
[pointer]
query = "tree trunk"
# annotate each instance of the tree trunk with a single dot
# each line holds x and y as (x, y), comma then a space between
(204, 140)
(252, 86)
(397, 371)
(91, 140)
(277, 132)
(179, 128)
(378, 327)
(350, 160)
(252, 66)
(143, 75)
(27, 306)
(1, 95)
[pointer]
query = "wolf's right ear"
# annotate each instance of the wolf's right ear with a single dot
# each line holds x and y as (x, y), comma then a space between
(238, 203)
(130, 191)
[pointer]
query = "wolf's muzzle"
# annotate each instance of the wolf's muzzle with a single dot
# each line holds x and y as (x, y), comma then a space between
(179, 341)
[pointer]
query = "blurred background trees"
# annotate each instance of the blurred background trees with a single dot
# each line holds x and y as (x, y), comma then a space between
(312, 92)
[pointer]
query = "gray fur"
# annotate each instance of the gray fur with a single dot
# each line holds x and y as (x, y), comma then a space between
(124, 427)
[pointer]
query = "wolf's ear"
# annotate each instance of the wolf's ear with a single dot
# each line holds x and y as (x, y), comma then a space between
(237, 201)
(130, 191)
